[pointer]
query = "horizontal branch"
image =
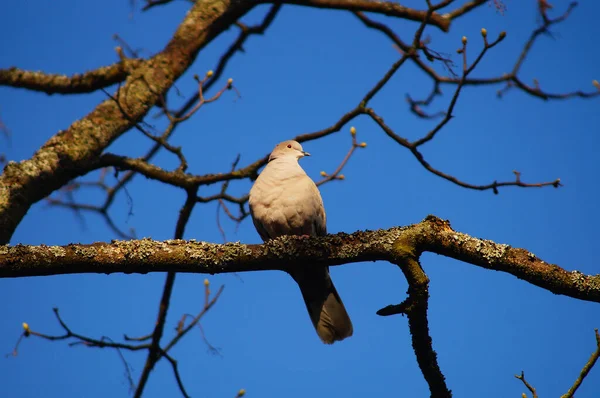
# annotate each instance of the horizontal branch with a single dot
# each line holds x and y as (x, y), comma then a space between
(61, 84)
(176, 178)
(391, 9)
(431, 235)
(388, 8)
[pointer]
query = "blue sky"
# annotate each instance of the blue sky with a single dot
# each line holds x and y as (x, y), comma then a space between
(310, 68)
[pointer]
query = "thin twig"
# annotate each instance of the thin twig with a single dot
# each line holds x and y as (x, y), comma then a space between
(336, 173)
(529, 386)
(586, 368)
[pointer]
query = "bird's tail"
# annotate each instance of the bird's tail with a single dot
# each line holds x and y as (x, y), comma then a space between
(324, 305)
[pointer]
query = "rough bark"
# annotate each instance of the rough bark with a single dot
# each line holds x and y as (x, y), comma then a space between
(431, 235)
(61, 84)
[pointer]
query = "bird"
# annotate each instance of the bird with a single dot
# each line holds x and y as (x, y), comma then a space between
(284, 200)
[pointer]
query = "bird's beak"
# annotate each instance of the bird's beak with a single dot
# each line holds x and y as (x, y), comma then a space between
(305, 153)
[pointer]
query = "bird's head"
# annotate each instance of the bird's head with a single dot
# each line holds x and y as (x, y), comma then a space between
(291, 149)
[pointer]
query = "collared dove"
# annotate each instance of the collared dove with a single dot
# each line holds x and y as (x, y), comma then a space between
(285, 201)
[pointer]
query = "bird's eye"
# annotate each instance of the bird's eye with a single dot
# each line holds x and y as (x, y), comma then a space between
(289, 145)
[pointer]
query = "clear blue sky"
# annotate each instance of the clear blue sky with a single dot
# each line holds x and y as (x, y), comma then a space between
(310, 68)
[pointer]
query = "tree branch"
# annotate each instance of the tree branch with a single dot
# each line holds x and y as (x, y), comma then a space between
(61, 84)
(586, 369)
(430, 235)
(389, 8)
(415, 307)
(529, 386)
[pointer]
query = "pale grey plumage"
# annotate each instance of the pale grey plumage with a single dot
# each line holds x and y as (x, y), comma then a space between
(285, 201)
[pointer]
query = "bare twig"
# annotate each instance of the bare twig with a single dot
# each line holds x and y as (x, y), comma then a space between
(181, 325)
(336, 173)
(66, 199)
(122, 43)
(78, 339)
(529, 386)
(208, 304)
(201, 98)
(222, 204)
(466, 70)
(491, 186)
(106, 342)
(141, 338)
(4, 129)
(154, 3)
(175, 368)
(586, 369)
(234, 48)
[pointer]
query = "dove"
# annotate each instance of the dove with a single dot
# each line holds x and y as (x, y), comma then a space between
(284, 200)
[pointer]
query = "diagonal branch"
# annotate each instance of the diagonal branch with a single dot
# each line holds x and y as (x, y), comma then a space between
(526, 383)
(586, 369)
(175, 367)
(336, 173)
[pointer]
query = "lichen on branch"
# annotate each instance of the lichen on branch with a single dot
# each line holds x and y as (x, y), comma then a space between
(430, 235)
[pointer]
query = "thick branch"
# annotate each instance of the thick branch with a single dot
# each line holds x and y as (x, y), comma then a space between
(431, 235)
(415, 308)
(61, 84)
(72, 152)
